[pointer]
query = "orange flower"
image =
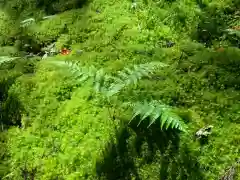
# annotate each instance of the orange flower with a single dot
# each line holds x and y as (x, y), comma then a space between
(65, 51)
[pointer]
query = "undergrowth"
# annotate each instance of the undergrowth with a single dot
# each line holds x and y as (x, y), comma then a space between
(141, 79)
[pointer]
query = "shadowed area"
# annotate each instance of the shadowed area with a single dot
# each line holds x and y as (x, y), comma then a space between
(140, 146)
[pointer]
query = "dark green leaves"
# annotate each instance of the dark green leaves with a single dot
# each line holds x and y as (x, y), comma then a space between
(154, 111)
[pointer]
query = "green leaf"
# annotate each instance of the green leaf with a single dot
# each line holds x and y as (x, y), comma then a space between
(146, 111)
(155, 115)
(129, 71)
(170, 121)
(134, 78)
(123, 75)
(163, 119)
(143, 72)
(156, 110)
(83, 78)
(115, 89)
(137, 110)
(99, 80)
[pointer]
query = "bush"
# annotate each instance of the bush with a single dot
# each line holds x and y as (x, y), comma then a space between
(88, 129)
(10, 105)
(8, 51)
(54, 6)
(27, 8)
(47, 31)
(8, 29)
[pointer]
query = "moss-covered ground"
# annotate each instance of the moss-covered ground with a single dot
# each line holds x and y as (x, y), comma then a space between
(53, 127)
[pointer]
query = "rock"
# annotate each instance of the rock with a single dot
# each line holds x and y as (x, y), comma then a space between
(170, 44)
(204, 132)
(45, 55)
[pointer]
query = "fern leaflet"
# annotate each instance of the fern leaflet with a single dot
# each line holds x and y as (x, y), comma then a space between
(132, 76)
(124, 78)
(83, 73)
(154, 111)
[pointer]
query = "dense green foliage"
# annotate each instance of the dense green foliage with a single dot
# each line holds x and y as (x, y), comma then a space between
(142, 77)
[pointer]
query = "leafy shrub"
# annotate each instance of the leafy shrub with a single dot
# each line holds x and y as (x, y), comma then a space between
(10, 106)
(75, 115)
(3, 154)
(8, 51)
(49, 30)
(191, 48)
(8, 29)
(52, 7)
(26, 8)
(215, 19)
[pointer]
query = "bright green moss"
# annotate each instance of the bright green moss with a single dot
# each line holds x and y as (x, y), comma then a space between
(67, 137)
(66, 133)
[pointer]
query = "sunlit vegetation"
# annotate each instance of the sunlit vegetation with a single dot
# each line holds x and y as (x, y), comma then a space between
(120, 89)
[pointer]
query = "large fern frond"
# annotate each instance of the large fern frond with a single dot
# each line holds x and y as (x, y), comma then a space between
(101, 80)
(106, 84)
(80, 73)
(157, 111)
(83, 73)
(132, 76)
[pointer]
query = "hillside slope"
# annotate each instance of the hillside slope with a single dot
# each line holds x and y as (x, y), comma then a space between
(64, 129)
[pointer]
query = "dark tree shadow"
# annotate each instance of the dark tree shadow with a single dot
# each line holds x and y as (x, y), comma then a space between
(10, 115)
(211, 27)
(5, 84)
(57, 6)
(118, 164)
(11, 110)
(10, 106)
(146, 144)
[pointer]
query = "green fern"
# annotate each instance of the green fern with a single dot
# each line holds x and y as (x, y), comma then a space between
(132, 76)
(83, 73)
(27, 22)
(101, 79)
(155, 110)
(80, 73)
